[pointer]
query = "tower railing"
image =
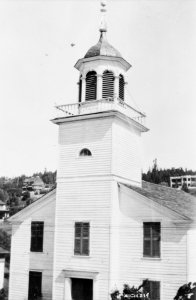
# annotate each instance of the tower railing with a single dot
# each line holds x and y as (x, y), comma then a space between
(102, 105)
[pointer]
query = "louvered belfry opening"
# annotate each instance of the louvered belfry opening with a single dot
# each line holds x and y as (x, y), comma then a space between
(121, 87)
(108, 84)
(91, 86)
(80, 89)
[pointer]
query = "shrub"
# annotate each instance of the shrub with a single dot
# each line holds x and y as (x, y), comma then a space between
(130, 292)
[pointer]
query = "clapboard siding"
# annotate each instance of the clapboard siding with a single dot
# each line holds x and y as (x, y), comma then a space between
(22, 260)
(191, 241)
(2, 265)
(89, 202)
(115, 146)
(126, 151)
(170, 269)
(94, 134)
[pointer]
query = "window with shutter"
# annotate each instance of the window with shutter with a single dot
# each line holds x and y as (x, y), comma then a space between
(37, 234)
(91, 86)
(121, 87)
(108, 84)
(153, 288)
(82, 233)
(152, 239)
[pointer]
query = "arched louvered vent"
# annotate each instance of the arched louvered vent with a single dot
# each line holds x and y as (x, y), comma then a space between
(108, 84)
(121, 87)
(85, 152)
(80, 89)
(91, 86)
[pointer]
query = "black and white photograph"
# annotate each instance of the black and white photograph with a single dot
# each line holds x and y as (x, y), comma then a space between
(98, 149)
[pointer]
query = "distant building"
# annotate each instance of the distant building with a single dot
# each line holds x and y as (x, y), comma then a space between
(4, 212)
(178, 181)
(31, 184)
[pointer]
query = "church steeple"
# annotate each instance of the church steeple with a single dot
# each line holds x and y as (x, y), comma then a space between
(103, 25)
(102, 70)
(102, 81)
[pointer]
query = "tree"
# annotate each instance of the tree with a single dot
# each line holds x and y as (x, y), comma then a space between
(185, 188)
(3, 195)
(3, 294)
(26, 196)
(4, 239)
(156, 175)
(186, 291)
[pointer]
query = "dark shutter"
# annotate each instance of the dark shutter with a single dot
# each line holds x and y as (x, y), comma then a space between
(85, 239)
(121, 87)
(77, 248)
(37, 233)
(152, 237)
(108, 84)
(80, 89)
(91, 86)
(81, 239)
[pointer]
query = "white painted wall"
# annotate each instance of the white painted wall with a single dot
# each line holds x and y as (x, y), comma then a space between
(94, 134)
(126, 152)
(115, 145)
(86, 191)
(87, 201)
(191, 256)
(2, 266)
(22, 260)
(171, 268)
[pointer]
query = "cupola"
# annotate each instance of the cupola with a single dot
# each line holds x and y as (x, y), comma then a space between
(102, 70)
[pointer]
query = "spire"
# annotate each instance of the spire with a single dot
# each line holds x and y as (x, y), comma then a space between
(103, 25)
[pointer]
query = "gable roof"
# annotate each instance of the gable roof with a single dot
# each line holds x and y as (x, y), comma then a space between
(176, 200)
(44, 200)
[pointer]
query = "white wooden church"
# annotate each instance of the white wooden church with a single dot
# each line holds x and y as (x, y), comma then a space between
(102, 226)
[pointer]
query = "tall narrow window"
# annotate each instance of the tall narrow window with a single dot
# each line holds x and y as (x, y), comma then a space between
(121, 87)
(91, 86)
(153, 288)
(37, 234)
(152, 239)
(35, 285)
(82, 232)
(108, 84)
(80, 89)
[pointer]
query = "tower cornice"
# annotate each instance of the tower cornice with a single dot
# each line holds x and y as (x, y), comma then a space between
(103, 114)
(120, 60)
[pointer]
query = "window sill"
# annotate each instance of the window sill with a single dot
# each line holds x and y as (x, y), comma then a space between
(85, 157)
(151, 258)
(81, 256)
(38, 252)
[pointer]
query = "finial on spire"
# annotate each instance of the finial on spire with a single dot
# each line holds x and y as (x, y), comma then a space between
(103, 25)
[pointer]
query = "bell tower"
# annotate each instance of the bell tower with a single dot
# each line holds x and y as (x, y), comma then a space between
(99, 146)
(102, 70)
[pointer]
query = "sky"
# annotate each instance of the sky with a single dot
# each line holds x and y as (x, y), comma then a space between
(157, 37)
